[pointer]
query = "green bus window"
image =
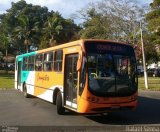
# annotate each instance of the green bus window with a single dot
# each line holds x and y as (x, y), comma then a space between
(31, 63)
(25, 64)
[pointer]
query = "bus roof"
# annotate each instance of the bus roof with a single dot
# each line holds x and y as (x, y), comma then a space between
(69, 44)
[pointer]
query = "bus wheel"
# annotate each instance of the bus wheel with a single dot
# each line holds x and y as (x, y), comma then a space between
(25, 92)
(60, 108)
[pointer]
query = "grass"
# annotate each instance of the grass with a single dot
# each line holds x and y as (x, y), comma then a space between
(6, 81)
(153, 83)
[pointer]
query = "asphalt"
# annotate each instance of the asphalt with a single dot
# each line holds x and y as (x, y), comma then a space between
(23, 113)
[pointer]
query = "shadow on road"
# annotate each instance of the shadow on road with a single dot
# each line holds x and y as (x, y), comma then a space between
(147, 112)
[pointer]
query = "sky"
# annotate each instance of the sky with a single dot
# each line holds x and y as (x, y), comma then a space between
(65, 7)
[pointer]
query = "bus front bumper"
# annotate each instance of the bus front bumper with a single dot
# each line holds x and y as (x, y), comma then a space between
(86, 106)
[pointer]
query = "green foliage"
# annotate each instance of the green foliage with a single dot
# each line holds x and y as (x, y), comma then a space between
(34, 27)
(4, 41)
(1, 56)
(116, 20)
(153, 19)
(151, 54)
(95, 27)
(155, 4)
(58, 30)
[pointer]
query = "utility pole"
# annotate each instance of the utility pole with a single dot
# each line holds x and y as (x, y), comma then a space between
(144, 61)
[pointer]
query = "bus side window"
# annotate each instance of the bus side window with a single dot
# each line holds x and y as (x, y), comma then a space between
(58, 56)
(25, 64)
(31, 63)
(38, 62)
(48, 61)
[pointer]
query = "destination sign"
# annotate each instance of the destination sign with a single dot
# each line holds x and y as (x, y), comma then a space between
(108, 47)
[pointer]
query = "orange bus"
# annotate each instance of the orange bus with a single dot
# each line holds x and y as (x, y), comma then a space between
(85, 76)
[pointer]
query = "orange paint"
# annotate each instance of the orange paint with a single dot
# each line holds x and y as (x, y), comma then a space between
(45, 80)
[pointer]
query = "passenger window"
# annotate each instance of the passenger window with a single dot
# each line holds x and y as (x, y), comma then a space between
(38, 62)
(48, 61)
(25, 64)
(58, 56)
(31, 63)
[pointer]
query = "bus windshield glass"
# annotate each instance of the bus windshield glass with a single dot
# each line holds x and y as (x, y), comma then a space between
(111, 69)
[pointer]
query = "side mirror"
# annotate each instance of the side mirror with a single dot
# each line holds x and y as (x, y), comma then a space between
(79, 62)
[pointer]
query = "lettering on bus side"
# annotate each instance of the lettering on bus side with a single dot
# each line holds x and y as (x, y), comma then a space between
(43, 78)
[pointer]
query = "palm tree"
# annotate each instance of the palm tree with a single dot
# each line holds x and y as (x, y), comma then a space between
(53, 27)
(4, 43)
(23, 31)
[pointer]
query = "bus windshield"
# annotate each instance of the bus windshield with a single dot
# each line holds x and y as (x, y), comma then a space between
(111, 73)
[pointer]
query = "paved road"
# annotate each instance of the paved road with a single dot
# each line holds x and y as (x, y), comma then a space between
(15, 110)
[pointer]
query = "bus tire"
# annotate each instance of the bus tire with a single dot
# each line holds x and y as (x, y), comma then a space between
(60, 108)
(25, 91)
(55, 96)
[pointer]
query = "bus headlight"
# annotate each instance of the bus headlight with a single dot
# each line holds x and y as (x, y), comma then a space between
(134, 97)
(93, 99)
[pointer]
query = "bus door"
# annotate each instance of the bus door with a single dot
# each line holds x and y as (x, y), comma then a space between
(19, 74)
(70, 81)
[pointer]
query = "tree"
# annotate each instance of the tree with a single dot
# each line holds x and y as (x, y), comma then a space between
(24, 23)
(30, 22)
(23, 31)
(52, 28)
(153, 19)
(117, 20)
(1, 57)
(4, 44)
(96, 26)
(35, 26)
(58, 30)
